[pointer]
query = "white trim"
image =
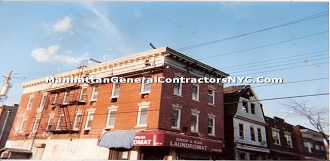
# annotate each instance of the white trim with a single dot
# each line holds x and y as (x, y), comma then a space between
(59, 122)
(82, 94)
(213, 97)
(179, 90)
(96, 86)
(66, 97)
(51, 117)
(108, 118)
(36, 124)
(197, 92)
(197, 122)
(43, 100)
(139, 117)
(113, 90)
(30, 102)
(21, 129)
(213, 127)
(88, 118)
(56, 97)
(144, 103)
(178, 119)
(75, 126)
(144, 84)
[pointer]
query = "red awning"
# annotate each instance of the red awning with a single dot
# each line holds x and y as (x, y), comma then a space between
(163, 138)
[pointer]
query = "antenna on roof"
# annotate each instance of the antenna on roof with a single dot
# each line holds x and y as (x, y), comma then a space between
(96, 61)
(152, 45)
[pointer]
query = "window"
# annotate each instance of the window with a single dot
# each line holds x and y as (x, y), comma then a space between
(194, 122)
(142, 116)
(322, 148)
(253, 137)
(259, 135)
(89, 120)
(317, 147)
(56, 98)
(29, 105)
(211, 127)
(311, 148)
(83, 94)
(60, 122)
(245, 107)
(177, 87)
(211, 97)
(195, 92)
(146, 84)
(43, 100)
(111, 118)
(176, 114)
(288, 139)
(50, 123)
(36, 125)
(66, 97)
(253, 108)
(77, 121)
(23, 125)
(95, 92)
(115, 90)
(276, 137)
(306, 146)
(241, 131)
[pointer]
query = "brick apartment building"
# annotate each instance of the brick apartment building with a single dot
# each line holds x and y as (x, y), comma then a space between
(245, 126)
(7, 117)
(281, 140)
(310, 144)
(124, 120)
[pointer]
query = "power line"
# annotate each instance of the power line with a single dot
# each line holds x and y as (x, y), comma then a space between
(266, 67)
(254, 32)
(257, 64)
(287, 68)
(298, 81)
(280, 42)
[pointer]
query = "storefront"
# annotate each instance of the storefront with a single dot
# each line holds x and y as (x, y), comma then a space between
(162, 145)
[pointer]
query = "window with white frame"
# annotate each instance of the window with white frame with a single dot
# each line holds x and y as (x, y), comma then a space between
(241, 130)
(317, 148)
(288, 139)
(30, 102)
(89, 120)
(322, 148)
(60, 122)
(95, 92)
(311, 147)
(195, 92)
(176, 116)
(253, 108)
(111, 118)
(177, 86)
(66, 97)
(211, 96)
(23, 125)
(142, 116)
(146, 84)
(259, 134)
(194, 122)
(115, 90)
(211, 127)
(56, 98)
(83, 94)
(306, 146)
(77, 121)
(50, 123)
(252, 134)
(245, 107)
(276, 136)
(36, 124)
(43, 100)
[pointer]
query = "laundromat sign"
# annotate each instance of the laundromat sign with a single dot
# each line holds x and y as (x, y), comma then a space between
(175, 140)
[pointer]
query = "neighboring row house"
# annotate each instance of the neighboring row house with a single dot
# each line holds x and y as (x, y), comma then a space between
(133, 121)
(124, 120)
(245, 126)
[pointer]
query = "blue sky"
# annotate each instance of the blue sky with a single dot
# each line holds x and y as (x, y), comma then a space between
(38, 39)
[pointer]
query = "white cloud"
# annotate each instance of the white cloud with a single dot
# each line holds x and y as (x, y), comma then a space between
(50, 54)
(63, 25)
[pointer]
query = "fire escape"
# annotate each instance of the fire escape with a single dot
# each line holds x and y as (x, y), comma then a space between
(71, 99)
